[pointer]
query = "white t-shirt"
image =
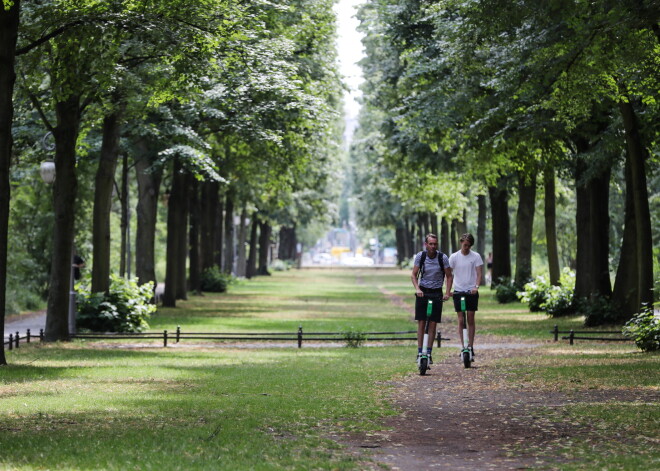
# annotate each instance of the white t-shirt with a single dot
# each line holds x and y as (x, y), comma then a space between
(464, 268)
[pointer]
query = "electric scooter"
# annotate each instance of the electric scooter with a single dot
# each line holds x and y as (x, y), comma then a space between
(423, 359)
(465, 353)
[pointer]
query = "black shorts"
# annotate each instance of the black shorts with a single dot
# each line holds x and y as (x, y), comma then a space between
(471, 301)
(422, 303)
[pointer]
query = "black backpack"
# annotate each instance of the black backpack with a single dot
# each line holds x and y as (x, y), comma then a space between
(422, 259)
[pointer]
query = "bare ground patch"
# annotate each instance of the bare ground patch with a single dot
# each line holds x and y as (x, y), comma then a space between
(474, 419)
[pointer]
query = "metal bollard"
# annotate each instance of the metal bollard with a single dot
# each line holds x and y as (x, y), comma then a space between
(300, 334)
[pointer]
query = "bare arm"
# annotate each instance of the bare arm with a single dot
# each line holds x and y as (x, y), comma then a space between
(415, 281)
(449, 276)
(480, 270)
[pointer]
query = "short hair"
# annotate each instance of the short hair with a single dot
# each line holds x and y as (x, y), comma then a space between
(469, 237)
(430, 236)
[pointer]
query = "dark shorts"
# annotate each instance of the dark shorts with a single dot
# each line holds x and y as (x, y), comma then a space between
(422, 303)
(471, 301)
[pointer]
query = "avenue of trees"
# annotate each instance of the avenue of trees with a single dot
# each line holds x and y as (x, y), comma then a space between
(218, 118)
(493, 106)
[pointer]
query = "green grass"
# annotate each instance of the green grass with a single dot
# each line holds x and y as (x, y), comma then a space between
(75, 408)
(84, 405)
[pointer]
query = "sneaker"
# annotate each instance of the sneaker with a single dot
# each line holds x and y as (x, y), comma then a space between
(430, 359)
(471, 354)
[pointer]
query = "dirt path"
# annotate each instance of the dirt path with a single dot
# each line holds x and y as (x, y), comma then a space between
(499, 426)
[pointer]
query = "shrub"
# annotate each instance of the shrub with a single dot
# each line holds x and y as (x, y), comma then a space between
(644, 329)
(354, 338)
(535, 293)
(597, 310)
(125, 308)
(505, 291)
(214, 281)
(281, 265)
(559, 301)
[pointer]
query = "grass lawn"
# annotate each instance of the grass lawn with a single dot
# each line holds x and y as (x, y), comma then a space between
(89, 405)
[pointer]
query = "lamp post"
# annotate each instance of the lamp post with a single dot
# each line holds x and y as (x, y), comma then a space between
(47, 172)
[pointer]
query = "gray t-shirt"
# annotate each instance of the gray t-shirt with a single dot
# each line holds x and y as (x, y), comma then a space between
(433, 277)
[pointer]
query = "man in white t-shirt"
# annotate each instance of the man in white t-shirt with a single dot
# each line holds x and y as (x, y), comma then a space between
(467, 269)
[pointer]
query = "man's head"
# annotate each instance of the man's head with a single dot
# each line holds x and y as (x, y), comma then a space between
(431, 242)
(467, 237)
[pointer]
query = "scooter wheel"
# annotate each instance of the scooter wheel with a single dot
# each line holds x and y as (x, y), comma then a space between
(423, 366)
(466, 359)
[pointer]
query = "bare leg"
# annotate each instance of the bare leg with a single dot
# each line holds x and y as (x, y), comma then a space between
(460, 328)
(471, 328)
(420, 333)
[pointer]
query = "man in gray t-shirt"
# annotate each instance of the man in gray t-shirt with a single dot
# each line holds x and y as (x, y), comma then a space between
(428, 280)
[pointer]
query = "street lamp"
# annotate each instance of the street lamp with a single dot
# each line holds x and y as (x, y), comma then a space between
(47, 172)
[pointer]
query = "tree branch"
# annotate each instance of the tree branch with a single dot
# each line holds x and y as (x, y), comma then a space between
(48, 37)
(37, 105)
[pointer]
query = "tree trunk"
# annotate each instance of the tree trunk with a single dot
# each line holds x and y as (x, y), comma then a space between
(287, 245)
(461, 226)
(264, 247)
(229, 232)
(123, 255)
(195, 270)
(454, 236)
(445, 246)
(551, 225)
(434, 223)
(592, 223)
(481, 230)
(637, 156)
(626, 284)
(400, 235)
(173, 220)
(219, 233)
(251, 269)
(499, 207)
(8, 36)
(209, 208)
(64, 197)
(104, 182)
(599, 197)
(242, 236)
(148, 181)
(182, 236)
(525, 229)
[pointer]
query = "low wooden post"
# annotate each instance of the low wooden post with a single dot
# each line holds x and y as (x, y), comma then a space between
(11, 341)
(439, 339)
(300, 335)
(570, 337)
(178, 333)
(16, 338)
(41, 335)
(165, 338)
(556, 332)
(27, 336)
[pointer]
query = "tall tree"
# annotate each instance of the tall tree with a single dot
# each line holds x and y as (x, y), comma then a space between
(9, 21)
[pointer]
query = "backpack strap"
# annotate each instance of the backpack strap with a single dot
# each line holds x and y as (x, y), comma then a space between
(422, 259)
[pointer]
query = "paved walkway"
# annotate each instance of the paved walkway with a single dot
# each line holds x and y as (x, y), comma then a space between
(34, 321)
